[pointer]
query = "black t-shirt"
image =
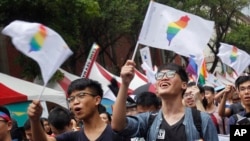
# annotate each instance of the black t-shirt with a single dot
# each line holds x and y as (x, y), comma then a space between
(175, 132)
(106, 135)
(236, 108)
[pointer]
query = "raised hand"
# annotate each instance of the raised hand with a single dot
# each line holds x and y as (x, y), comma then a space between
(35, 110)
(127, 72)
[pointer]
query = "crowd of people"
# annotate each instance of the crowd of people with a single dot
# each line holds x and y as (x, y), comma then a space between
(178, 110)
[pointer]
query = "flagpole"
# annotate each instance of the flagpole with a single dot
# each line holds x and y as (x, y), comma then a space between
(44, 86)
(136, 47)
(197, 79)
(199, 72)
(145, 19)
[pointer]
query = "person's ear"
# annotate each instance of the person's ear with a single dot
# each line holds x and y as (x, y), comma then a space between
(184, 85)
(9, 123)
(98, 100)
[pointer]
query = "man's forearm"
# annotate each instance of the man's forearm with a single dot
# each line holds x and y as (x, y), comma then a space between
(119, 109)
(38, 133)
(221, 108)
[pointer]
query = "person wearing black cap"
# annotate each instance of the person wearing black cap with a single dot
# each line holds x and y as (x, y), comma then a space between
(5, 124)
(130, 107)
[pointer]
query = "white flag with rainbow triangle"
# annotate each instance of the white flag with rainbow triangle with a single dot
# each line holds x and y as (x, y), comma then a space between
(171, 29)
(237, 59)
(40, 43)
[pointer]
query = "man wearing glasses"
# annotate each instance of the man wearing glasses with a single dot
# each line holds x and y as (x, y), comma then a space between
(84, 97)
(5, 124)
(174, 122)
(194, 96)
(242, 84)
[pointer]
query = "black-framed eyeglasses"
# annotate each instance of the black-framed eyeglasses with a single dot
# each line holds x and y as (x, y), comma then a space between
(188, 95)
(3, 120)
(79, 96)
(168, 74)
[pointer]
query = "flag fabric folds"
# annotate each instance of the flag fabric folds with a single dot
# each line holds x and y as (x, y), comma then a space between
(192, 67)
(197, 69)
(146, 56)
(40, 43)
(150, 73)
(167, 28)
(237, 59)
(203, 73)
(213, 80)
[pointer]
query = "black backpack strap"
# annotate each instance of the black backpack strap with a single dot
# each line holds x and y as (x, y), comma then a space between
(197, 121)
(150, 121)
(151, 118)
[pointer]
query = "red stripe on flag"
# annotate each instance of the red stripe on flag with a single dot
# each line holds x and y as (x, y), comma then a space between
(91, 64)
(64, 83)
(9, 96)
(90, 60)
(141, 76)
(103, 72)
(108, 76)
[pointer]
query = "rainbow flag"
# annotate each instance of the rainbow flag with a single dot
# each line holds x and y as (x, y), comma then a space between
(41, 43)
(192, 67)
(203, 73)
(235, 58)
(171, 29)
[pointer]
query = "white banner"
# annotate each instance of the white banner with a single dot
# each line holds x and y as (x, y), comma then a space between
(237, 59)
(146, 56)
(40, 43)
(167, 28)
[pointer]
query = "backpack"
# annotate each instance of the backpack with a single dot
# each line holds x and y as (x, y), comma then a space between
(196, 118)
(241, 120)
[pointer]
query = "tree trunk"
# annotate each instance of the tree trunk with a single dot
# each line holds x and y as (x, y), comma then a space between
(216, 60)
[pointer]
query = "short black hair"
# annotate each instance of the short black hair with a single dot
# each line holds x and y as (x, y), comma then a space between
(147, 99)
(101, 108)
(201, 88)
(16, 132)
(241, 79)
(44, 119)
(59, 117)
(179, 70)
(209, 88)
(108, 115)
(83, 83)
(27, 125)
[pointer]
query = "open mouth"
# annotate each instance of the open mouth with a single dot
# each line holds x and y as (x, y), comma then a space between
(77, 109)
(247, 98)
(164, 85)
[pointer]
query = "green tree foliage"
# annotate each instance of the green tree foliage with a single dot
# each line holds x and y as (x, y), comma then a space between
(81, 22)
(240, 37)
(119, 19)
(64, 16)
(226, 14)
